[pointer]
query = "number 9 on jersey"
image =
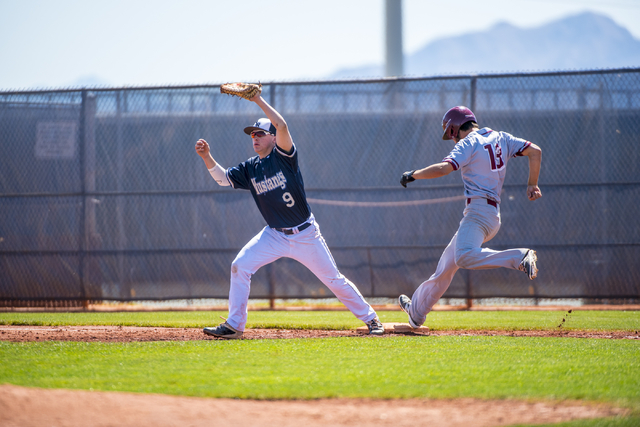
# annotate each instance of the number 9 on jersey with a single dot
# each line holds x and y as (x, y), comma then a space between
(288, 199)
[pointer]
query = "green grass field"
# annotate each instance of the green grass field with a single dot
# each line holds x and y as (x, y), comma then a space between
(340, 320)
(600, 370)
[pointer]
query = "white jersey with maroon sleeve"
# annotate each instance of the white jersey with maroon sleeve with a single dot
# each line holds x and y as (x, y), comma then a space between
(482, 159)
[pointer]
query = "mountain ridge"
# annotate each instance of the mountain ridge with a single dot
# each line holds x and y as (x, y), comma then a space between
(578, 42)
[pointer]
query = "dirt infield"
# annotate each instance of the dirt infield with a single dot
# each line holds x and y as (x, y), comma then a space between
(27, 407)
(31, 407)
(131, 334)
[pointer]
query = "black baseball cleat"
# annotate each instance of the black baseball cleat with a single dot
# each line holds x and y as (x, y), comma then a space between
(223, 330)
(375, 326)
(405, 304)
(528, 264)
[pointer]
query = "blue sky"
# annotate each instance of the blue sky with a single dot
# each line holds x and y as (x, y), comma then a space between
(64, 43)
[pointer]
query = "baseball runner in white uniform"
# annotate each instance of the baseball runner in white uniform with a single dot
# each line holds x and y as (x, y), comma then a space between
(275, 182)
(481, 155)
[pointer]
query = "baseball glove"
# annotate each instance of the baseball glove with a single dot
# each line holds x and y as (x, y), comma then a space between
(242, 90)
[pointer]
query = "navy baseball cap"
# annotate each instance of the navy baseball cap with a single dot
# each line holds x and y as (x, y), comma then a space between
(262, 124)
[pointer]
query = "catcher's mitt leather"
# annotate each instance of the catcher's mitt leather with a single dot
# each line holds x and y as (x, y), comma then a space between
(242, 90)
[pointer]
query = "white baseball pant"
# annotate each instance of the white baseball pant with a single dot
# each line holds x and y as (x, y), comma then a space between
(307, 247)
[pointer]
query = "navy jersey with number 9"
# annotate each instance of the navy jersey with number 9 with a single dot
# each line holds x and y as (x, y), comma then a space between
(276, 185)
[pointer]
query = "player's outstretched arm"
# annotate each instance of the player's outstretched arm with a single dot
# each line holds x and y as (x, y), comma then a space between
(283, 137)
(218, 173)
(534, 153)
(434, 171)
(204, 151)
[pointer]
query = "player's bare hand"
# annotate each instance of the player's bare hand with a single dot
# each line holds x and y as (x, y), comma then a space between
(202, 148)
(533, 192)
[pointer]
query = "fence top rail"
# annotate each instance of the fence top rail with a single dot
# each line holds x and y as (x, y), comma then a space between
(333, 82)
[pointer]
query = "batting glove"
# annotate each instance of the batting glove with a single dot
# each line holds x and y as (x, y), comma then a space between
(406, 178)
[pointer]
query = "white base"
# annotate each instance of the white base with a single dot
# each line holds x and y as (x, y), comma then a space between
(393, 328)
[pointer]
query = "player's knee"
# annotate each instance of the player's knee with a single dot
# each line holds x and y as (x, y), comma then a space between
(463, 257)
(238, 267)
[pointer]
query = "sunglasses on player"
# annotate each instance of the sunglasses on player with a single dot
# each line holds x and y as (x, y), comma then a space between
(259, 134)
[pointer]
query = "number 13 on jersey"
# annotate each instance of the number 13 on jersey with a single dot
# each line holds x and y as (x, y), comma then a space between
(495, 156)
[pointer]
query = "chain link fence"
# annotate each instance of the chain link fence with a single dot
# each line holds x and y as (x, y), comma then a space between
(104, 198)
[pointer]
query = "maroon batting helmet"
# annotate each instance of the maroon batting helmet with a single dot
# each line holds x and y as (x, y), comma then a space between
(453, 119)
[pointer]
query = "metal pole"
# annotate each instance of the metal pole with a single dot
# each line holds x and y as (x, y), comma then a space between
(120, 239)
(373, 289)
(272, 95)
(393, 25)
(83, 198)
(271, 278)
(474, 88)
(469, 290)
(272, 286)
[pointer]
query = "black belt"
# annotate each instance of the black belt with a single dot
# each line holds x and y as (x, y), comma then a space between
(294, 230)
(489, 202)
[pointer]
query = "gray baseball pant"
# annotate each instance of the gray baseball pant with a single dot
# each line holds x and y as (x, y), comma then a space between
(479, 224)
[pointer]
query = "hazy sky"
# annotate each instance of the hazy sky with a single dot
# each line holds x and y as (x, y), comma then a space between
(62, 43)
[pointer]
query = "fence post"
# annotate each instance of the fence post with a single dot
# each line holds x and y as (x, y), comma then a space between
(89, 158)
(474, 86)
(469, 290)
(472, 106)
(271, 278)
(81, 237)
(120, 237)
(373, 288)
(86, 153)
(272, 286)
(272, 95)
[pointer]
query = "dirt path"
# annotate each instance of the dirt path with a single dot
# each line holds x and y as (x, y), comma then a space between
(31, 407)
(130, 334)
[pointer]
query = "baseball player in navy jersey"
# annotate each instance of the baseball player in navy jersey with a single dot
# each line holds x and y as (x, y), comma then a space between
(481, 155)
(275, 182)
